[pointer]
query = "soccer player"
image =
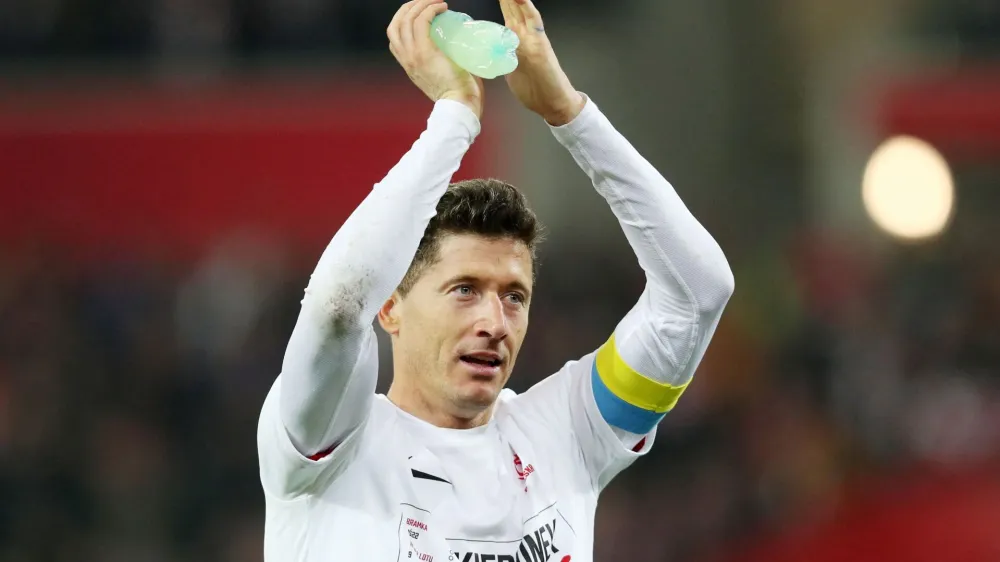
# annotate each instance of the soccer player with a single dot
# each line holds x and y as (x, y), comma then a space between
(449, 466)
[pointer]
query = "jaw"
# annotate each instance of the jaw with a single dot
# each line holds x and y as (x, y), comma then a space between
(447, 396)
(471, 390)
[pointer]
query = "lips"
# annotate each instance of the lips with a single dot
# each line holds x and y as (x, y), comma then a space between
(482, 358)
(483, 365)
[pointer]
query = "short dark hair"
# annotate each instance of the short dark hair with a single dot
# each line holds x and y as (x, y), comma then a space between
(486, 207)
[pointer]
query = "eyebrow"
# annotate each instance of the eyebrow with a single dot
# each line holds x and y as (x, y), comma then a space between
(473, 280)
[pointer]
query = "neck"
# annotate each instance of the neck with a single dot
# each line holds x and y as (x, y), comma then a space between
(435, 411)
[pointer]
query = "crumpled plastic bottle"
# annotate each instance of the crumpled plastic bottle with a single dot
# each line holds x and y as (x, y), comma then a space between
(483, 48)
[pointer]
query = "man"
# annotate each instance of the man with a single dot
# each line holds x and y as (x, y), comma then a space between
(449, 466)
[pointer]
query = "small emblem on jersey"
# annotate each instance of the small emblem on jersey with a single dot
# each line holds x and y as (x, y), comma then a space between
(522, 471)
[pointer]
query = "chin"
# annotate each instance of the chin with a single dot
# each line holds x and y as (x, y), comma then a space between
(477, 396)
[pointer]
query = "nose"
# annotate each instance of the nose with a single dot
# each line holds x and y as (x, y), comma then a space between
(492, 322)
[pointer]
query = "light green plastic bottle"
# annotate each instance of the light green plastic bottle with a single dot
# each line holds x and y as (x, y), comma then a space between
(483, 48)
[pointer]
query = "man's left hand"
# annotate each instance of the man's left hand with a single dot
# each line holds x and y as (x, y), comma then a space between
(539, 83)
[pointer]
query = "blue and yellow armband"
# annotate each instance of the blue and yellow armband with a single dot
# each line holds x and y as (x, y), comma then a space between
(627, 399)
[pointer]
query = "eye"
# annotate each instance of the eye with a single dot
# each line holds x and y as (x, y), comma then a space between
(516, 298)
(464, 290)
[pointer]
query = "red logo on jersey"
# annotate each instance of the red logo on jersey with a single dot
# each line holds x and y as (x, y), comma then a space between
(522, 471)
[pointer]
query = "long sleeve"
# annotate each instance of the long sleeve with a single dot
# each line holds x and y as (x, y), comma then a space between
(641, 371)
(330, 368)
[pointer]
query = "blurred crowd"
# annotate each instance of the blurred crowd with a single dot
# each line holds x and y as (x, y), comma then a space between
(129, 394)
(207, 29)
(210, 28)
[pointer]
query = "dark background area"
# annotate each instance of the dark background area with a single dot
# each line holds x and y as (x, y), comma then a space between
(170, 170)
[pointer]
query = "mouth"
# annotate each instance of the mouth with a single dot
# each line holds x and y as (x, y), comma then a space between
(485, 363)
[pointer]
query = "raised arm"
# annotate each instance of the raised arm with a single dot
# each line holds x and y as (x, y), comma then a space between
(329, 371)
(357, 272)
(647, 363)
(651, 356)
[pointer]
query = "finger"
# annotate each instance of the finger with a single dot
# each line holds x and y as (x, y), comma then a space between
(392, 32)
(398, 16)
(529, 13)
(422, 24)
(406, 25)
(511, 13)
(392, 49)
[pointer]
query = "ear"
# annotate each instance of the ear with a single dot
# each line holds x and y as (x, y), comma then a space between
(389, 314)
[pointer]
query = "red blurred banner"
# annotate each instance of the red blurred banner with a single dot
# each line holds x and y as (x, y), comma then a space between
(958, 110)
(121, 168)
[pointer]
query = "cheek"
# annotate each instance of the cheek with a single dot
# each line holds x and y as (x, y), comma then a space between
(418, 330)
(519, 328)
(439, 326)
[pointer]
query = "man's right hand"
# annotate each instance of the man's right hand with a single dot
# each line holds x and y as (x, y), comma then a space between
(410, 42)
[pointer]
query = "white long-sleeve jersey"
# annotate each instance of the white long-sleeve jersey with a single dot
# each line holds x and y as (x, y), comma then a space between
(348, 476)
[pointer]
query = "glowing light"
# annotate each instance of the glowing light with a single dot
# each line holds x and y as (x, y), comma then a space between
(908, 190)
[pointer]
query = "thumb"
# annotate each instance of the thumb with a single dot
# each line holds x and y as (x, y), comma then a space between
(529, 13)
(510, 13)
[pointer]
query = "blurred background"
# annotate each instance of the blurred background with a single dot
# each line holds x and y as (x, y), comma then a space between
(170, 171)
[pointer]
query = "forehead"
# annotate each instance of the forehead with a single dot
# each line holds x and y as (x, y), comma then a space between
(504, 260)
